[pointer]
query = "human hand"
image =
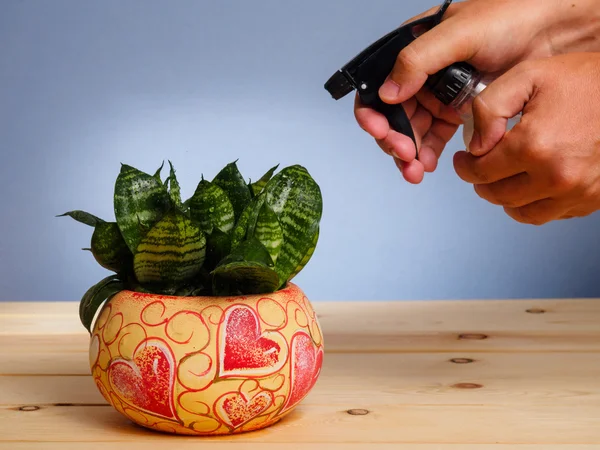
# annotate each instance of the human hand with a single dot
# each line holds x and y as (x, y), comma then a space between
(547, 167)
(493, 36)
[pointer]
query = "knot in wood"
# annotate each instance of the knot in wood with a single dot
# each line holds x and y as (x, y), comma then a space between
(472, 336)
(358, 412)
(462, 360)
(467, 386)
(29, 408)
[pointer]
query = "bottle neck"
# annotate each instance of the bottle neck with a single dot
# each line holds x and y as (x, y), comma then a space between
(464, 100)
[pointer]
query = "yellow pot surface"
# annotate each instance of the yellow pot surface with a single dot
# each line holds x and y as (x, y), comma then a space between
(206, 365)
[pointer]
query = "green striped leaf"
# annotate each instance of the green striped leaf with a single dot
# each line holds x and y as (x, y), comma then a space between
(179, 290)
(174, 188)
(247, 222)
(83, 217)
(172, 252)
(296, 200)
(307, 257)
(258, 203)
(259, 185)
(241, 228)
(186, 205)
(246, 270)
(203, 283)
(249, 250)
(218, 246)
(211, 208)
(268, 231)
(109, 248)
(96, 296)
(158, 171)
(244, 278)
(140, 201)
(232, 182)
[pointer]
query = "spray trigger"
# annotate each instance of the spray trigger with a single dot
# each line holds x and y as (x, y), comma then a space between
(367, 71)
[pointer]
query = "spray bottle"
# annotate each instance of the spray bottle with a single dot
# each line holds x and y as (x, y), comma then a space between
(456, 85)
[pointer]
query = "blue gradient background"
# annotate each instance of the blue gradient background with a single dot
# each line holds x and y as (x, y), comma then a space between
(86, 85)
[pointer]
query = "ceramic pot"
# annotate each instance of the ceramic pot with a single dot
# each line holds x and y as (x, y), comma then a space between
(206, 365)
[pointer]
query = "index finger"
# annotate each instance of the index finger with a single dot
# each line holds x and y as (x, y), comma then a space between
(435, 49)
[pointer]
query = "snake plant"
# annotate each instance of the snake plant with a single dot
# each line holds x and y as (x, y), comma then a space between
(231, 237)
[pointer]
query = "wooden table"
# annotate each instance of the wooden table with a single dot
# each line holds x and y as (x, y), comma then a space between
(490, 375)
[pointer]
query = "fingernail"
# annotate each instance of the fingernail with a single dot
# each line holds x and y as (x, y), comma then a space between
(475, 144)
(389, 90)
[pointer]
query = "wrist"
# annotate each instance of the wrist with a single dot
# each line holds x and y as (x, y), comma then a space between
(575, 27)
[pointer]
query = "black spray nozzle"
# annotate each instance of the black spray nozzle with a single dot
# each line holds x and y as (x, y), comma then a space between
(338, 85)
(368, 70)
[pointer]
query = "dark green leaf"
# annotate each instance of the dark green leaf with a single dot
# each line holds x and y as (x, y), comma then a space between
(247, 223)
(109, 248)
(307, 257)
(244, 278)
(137, 287)
(174, 188)
(83, 217)
(246, 270)
(184, 291)
(204, 281)
(232, 182)
(249, 250)
(296, 200)
(158, 171)
(171, 253)
(257, 203)
(258, 186)
(202, 292)
(211, 208)
(268, 231)
(250, 213)
(218, 246)
(96, 296)
(140, 201)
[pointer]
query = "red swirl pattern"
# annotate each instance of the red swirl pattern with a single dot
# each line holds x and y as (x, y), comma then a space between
(206, 366)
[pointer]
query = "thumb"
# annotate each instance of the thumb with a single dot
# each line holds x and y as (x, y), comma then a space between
(503, 99)
(439, 47)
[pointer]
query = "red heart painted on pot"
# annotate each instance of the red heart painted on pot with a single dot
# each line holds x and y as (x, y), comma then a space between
(146, 382)
(247, 351)
(235, 408)
(305, 367)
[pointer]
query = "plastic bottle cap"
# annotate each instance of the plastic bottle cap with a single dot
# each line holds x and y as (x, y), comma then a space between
(449, 82)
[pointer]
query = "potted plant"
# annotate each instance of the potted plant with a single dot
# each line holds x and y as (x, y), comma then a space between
(199, 330)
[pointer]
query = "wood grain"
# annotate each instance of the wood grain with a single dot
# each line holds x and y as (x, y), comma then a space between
(489, 326)
(488, 375)
(392, 342)
(311, 423)
(426, 379)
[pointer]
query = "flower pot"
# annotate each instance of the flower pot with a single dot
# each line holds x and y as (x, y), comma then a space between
(206, 365)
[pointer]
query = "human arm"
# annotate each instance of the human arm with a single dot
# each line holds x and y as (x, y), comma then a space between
(547, 167)
(492, 35)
